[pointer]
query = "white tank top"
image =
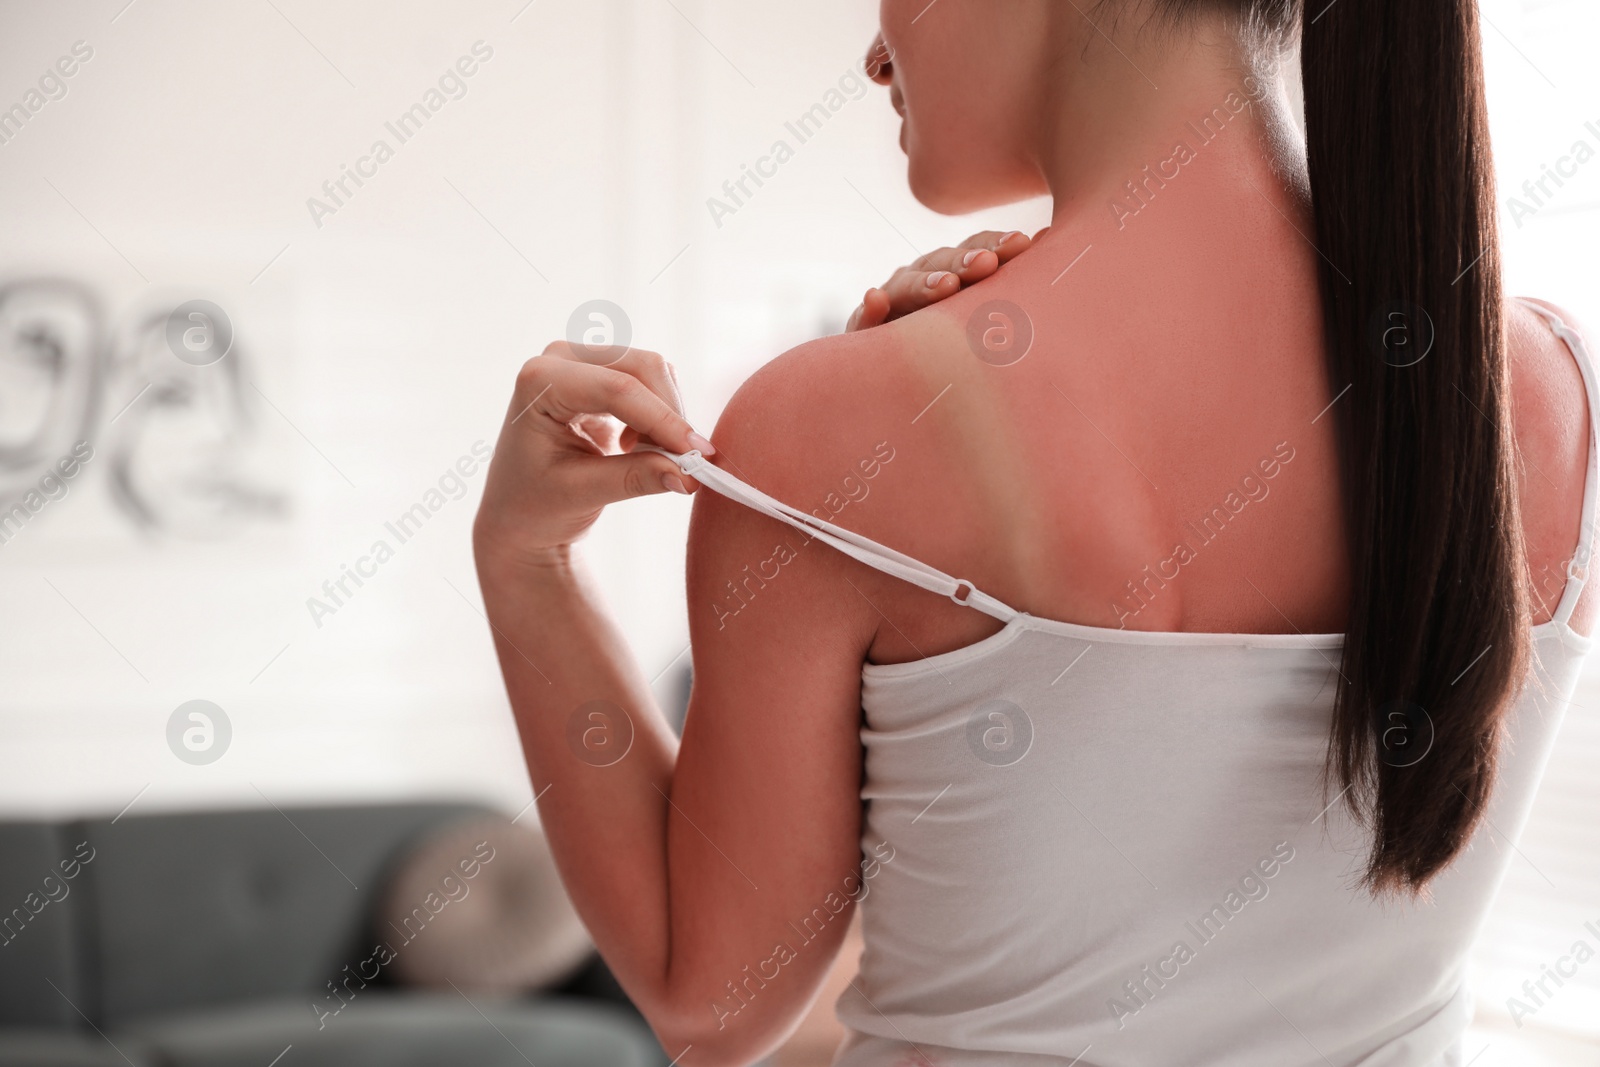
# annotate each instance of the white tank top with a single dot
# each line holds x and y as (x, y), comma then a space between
(1112, 848)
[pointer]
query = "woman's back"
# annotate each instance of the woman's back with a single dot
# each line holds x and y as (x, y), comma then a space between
(1117, 473)
(1101, 829)
(1103, 826)
(1117, 846)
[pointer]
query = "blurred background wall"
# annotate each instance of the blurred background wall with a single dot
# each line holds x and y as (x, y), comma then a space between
(376, 334)
(382, 337)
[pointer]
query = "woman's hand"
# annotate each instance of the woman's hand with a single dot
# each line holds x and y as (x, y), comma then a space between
(937, 275)
(566, 450)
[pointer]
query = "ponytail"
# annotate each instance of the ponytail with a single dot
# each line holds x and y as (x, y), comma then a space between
(1437, 641)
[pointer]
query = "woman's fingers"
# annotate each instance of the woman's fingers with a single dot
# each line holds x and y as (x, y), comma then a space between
(559, 386)
(872, 311)
(913, 288)
(656, 373)
(939, 274)
(1005, 244)
(591, 482)
(569, 447)
(934, 277)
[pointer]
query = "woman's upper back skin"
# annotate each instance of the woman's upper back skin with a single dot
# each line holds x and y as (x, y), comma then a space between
(1162, 458)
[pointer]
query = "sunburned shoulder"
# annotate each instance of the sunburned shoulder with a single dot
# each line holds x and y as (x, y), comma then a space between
(1528, 330)
(818, 408)
(1552, 420)
(1547, 386)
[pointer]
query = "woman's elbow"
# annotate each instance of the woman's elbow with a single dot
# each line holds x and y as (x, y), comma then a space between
(711, 1033)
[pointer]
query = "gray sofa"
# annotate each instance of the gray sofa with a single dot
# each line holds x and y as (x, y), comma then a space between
(208, 940)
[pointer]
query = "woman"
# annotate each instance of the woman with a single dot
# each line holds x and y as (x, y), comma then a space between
(1236, 537)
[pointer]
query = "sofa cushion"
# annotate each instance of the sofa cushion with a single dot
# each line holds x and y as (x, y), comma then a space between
(43, 901)
(211, 908)
(386, 1029)
(21, 1047)
(480, 906)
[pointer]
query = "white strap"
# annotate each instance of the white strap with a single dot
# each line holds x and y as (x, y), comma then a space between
(853, 545)
(1578, 565)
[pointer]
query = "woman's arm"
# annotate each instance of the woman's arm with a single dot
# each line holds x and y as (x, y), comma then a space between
(717, 882)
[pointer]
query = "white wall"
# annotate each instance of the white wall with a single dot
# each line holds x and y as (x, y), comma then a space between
(383, 343)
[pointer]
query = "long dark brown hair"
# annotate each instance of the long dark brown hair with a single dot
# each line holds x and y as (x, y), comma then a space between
(1402, 188)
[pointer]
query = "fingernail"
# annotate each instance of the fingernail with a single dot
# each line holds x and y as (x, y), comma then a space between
(706, 448)
(674, 483)
(966, 260)
(1010, 236)
(936, 277)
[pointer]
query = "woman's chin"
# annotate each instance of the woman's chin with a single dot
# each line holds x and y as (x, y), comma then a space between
(931, 187)
(934, 189)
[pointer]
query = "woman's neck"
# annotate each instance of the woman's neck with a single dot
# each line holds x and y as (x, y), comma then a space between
(1135, 115)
